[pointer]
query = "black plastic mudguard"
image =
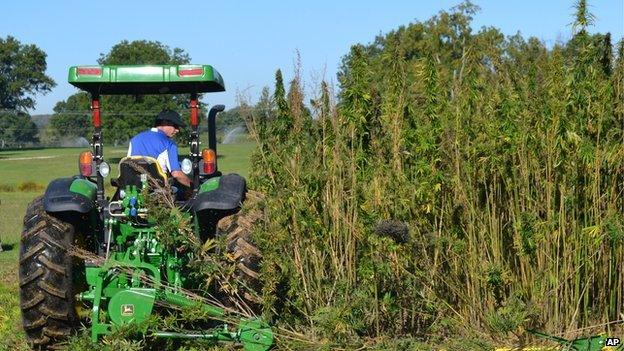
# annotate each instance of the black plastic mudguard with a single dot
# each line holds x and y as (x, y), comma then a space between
(228, 197)
(58, 198)
(210, 207)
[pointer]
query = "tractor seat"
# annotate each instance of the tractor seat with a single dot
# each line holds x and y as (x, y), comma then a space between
(131, 168)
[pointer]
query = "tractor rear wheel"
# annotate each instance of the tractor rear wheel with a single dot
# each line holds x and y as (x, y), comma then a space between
(46, 278)
(237, 229)
(248, 259)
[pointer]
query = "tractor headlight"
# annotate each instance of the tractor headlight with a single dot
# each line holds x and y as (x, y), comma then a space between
(104, 169)
(187, 166)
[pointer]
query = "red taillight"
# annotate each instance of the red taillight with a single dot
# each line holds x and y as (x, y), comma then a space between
(186, 72)
(89, 71)
(85, 163)
(210, 161)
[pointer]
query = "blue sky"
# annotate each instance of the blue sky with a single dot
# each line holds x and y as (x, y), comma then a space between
(246, 41)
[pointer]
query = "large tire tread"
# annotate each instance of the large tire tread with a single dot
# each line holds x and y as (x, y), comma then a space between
(46, 269)
(238, 229)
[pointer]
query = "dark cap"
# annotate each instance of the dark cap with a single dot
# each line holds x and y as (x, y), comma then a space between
(169, 117)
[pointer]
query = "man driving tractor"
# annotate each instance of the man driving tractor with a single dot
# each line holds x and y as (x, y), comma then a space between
(157, 143)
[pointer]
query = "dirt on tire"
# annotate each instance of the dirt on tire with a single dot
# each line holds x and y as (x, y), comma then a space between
(46, 274)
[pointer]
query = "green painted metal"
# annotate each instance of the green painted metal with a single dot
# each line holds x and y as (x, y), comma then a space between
(139, 272)
(146, 79)
(83, 187)
(214, 335)
(210, 185)
(177, 299)
(255, 335)
(132, 305)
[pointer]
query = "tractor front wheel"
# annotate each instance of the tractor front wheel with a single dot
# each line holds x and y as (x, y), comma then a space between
(46, 278)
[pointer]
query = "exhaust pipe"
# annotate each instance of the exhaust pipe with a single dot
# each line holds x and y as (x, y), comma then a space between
(212, 126)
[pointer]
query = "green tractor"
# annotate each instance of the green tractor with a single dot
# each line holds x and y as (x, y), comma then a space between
(125, 273)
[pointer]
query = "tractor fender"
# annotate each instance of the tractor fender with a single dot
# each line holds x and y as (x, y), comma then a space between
(226, 193)
(70, 194)
(218, 198)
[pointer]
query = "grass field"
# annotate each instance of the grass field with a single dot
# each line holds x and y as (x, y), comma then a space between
(18, 168)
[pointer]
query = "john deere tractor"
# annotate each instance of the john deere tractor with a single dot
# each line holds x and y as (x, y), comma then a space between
(100, 261)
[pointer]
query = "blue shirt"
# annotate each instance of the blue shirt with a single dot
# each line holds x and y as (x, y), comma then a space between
(155, 143)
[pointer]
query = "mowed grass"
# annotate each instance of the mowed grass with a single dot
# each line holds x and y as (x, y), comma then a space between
(40, 166)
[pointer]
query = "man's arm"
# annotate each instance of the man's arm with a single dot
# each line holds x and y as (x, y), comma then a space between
(174, 166)
(181, 178)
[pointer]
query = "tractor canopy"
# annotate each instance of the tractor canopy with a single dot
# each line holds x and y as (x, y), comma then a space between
(146, 79)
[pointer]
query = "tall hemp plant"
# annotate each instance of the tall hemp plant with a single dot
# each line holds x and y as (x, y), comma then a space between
(502, 156)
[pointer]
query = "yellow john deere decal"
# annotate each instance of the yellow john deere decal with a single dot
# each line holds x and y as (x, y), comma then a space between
(127, 310)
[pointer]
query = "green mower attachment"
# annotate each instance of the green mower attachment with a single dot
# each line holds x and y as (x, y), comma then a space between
(131, 282)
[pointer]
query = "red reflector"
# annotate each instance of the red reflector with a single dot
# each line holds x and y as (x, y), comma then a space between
(191, 72)
(86, 170)
(210, 158)
(209, 168)
(89, 71)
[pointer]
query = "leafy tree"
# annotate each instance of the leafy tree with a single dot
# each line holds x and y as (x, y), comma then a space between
(71, 117)
(18, 129)
(22, 74)
(143, 52)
